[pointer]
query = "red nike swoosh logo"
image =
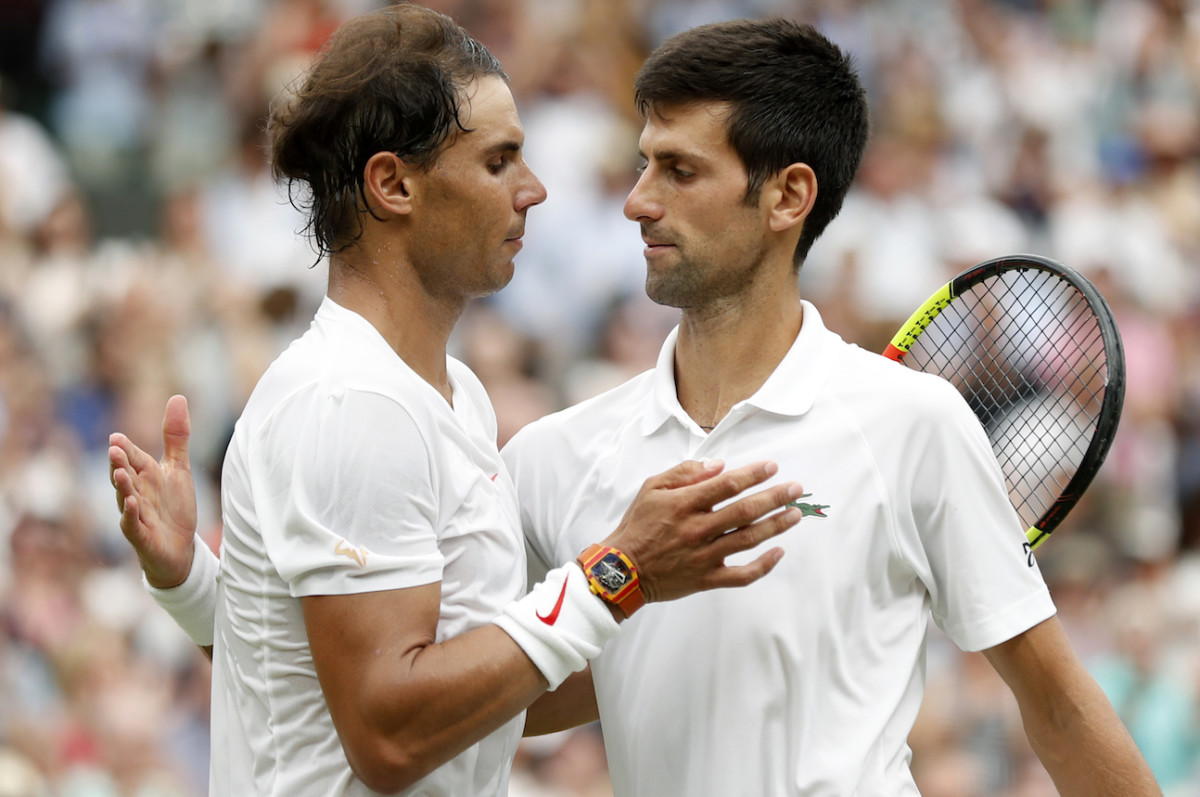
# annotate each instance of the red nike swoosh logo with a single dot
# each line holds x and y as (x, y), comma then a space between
(552, 618)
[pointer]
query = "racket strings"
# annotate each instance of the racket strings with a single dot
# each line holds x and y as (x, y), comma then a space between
(1028, 354)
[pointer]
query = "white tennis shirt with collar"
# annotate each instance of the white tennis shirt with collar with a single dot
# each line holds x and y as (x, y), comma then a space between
(808, 681)
(348, 473)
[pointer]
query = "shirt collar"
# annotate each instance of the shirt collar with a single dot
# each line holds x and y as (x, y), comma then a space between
(790, 390)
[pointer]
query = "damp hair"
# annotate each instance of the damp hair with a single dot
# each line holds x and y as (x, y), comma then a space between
(390, 81)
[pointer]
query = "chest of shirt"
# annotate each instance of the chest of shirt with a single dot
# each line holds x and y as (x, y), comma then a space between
(845, 536)
(478, 532)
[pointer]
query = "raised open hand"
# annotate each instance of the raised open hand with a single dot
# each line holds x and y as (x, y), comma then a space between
(157, 500)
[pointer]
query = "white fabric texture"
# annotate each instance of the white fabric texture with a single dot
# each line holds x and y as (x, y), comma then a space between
(808, 681)
(193, 604)
(560, 624)
(348, 473)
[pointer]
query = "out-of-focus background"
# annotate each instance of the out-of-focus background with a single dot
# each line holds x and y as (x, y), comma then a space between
(144, 251)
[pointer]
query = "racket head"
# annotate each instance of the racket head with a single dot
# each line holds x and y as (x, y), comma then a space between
(1033, 347)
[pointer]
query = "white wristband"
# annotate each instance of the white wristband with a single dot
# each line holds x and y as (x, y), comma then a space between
(560, 624)
(193, 604)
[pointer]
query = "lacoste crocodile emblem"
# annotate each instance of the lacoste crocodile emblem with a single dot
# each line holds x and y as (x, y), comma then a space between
(809, 510)
(350, 552)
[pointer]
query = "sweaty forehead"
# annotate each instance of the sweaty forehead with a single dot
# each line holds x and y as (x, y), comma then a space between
(489, 114)
(489, 96)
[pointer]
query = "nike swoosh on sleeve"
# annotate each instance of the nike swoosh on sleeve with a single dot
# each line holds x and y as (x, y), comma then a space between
(552, 618)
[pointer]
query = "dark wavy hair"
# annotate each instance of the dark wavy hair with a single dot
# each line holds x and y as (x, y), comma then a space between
(388, 81)
(795, 98)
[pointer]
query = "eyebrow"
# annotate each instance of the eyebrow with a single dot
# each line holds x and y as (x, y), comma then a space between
(511, 145)
(672, 155)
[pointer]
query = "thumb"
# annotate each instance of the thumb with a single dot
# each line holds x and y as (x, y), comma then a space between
(177, 429)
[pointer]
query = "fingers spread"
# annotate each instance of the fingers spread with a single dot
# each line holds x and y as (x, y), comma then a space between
(713, 491)
(138, 459)
(747, 537)
(749, 509)
(741, 575)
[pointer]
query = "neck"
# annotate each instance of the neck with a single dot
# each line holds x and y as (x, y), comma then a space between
(724, 355)
(387, 292)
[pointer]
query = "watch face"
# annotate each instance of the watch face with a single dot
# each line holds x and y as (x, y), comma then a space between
(611, 572)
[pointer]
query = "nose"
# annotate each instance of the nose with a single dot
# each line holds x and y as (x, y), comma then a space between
(640, 204)
(531, 192)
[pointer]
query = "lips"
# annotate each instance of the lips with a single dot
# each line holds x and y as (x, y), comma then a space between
(654, 247)
(653, 241)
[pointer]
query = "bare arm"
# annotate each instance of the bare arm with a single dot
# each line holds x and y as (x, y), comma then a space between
(404, 704)
(570, 705)
(1070, 723)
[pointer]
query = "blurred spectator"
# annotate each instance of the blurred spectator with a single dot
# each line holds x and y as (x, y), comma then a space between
(1158, 707)
(144, 250)
(99, 55)
(33, 176)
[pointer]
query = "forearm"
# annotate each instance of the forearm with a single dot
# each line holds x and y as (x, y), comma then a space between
(416, 714)
(1086, 749)
(404, 704)
(569, 706)
(1069, 722)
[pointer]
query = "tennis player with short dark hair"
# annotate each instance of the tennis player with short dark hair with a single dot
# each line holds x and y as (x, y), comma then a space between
(372, 628)
(807, 682)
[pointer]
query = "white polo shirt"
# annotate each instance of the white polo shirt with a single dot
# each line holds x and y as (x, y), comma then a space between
(348, 473)
(808, 681)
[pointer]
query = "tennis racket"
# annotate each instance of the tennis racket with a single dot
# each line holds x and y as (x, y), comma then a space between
(1032, 346)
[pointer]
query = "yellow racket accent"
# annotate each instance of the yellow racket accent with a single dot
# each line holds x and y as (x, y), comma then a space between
(1033, 348)
(1036, 537)
(918, 321)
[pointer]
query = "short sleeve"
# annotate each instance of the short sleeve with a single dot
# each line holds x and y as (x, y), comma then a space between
(535, 497)
(970, 548)
(349, 492)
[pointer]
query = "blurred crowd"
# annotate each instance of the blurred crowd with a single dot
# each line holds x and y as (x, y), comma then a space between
(144, 250)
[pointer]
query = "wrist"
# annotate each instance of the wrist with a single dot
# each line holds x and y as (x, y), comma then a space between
(560, 624)
(160, 580)
(193, 602)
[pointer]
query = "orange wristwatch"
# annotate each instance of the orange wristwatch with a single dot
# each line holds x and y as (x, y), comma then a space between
(613, 577)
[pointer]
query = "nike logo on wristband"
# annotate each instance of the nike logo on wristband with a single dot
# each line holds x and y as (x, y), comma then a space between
(552, 618)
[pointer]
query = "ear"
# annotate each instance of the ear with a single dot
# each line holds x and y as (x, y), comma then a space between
(387, 183)
(790, 196)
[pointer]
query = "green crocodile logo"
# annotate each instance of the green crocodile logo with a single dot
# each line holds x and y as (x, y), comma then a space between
(809, 510)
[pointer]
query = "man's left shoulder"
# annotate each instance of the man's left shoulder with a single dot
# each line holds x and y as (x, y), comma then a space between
(860, 370)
